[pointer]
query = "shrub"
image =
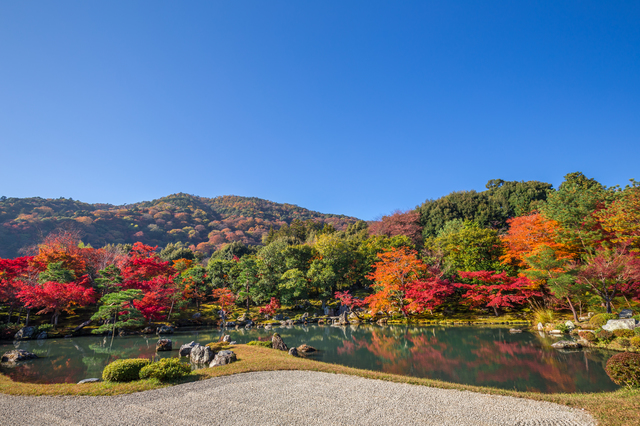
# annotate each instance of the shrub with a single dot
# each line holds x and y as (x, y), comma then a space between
(604, 335)
(562, 327)
(165, 369)
(124, 370)
(637, 331)
(266, 344)
(543, 315)
(217, 346)
(624, 342)
(44, 327)
(624, 369)
(589, 336)
(599, 320)
(635, 341)
(623, 333)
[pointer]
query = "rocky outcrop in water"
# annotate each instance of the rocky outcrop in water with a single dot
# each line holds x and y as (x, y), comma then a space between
(566, 344)
(164, 345)
(25, 333)
(164, 329)
(185, 350)
(17, 355)
(305, 349)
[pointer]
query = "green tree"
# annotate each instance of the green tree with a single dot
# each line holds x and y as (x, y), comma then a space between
(56, 273)
(119, 309)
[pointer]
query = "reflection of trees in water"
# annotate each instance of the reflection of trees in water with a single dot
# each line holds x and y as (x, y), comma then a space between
(490, 357)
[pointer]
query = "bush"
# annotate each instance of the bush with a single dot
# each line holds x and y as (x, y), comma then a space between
(604, 335)
(589, 336)
(165, 369)
(124, 370)
(635, 341)
(637, 331)
(266, 344)
(562, 327)
(624, 369)
(543, 315)
(624, 342)
(599, 320)
(623, 333)
(44, 327)
(217, 346)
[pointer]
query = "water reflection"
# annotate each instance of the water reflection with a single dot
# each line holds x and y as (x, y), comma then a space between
(469, 355)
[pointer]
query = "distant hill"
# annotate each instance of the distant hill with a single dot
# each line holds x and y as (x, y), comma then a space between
(205, 223)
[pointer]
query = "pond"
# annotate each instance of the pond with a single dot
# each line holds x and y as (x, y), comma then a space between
(470, 355)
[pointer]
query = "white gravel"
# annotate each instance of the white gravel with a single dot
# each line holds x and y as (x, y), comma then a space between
(289, 398)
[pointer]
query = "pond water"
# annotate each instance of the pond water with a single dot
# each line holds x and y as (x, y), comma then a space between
(468, 355)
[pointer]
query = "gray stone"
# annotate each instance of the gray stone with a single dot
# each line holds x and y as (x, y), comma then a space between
(279, 317)
(540, 326)
(620, 324)
(91, 380)
(164, 329)
(626, 313)
(278, 343)
(148, 330)
(42, 335)
(226, 338)
(196, 316)
(164, 345)
(185, 350)
(293, 352)
(25, 333)
(223, 358)
(201, 354)
(342, 319)
(515, 331)
(304, 316)
(570, 325)
(304, 348)
(566, 344)
(18, 355)
(556, 332)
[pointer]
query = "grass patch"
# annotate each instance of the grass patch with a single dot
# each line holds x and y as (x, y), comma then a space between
(612, 408)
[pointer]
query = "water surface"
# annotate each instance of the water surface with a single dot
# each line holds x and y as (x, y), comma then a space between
(468, 355)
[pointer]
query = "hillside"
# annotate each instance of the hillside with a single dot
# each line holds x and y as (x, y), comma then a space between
(206, 223)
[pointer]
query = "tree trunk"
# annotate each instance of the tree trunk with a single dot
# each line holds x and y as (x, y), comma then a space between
(26, 321)
(608, 306)
(247, 296)
(170, 310)
(575, 316)
(113, 330)
(10, 314)
(495, 310)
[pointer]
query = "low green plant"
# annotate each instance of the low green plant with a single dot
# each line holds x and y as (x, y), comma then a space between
(599, 320)
(165, 369)
(623, 333)
(637, 331)
(217, 346)
(544, 316)
(624, 369)
(589, 336)
(124, 370)
(562, 327)
(604, 335)
(266, 344)
(44, 327)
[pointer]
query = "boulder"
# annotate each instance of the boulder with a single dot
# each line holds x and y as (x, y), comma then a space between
(18, 355)
(515, 331)
(148, 330)
(382, 321)
(185, 350)
(278, 343)
(267, 327)
(196, 316)
(293, 352)
(342, 319)
(570, 325)
(620, 324)
(242, 318)
(164, 345)
(304, 317)
(540, 327)
(201, 354)
(626, 313)
(223, 358)
(42, 335)
(164, 329)
(91, 380)
(304, 348)
(566, 344)
(556, 332)
(226, 338)
(25, 333)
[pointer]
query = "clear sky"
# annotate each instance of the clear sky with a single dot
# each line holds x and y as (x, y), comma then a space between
(352, 107)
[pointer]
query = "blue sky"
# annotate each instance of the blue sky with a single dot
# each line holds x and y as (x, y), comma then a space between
(356, 107)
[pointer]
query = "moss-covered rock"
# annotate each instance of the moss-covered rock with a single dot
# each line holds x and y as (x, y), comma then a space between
(267, 344)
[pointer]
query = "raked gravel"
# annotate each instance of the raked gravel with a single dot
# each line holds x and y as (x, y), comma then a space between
(289, 398)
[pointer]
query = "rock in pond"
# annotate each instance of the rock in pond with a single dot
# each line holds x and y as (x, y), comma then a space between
(515, 331)
(164, 329)
(25, 333)
(556, 332)
(540, 327)
(570, 325)
(148, 330)
(91, 380)
(293, 352)
(164, 345)
(18, 355)
(42, 335)
(566, 344)
(201, 354)
(226, 338)
(620, 324)
(185, 350)
(304, 348)
(223, 358)
(278, 343)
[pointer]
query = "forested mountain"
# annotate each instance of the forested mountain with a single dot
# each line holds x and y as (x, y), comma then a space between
(204, 223)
